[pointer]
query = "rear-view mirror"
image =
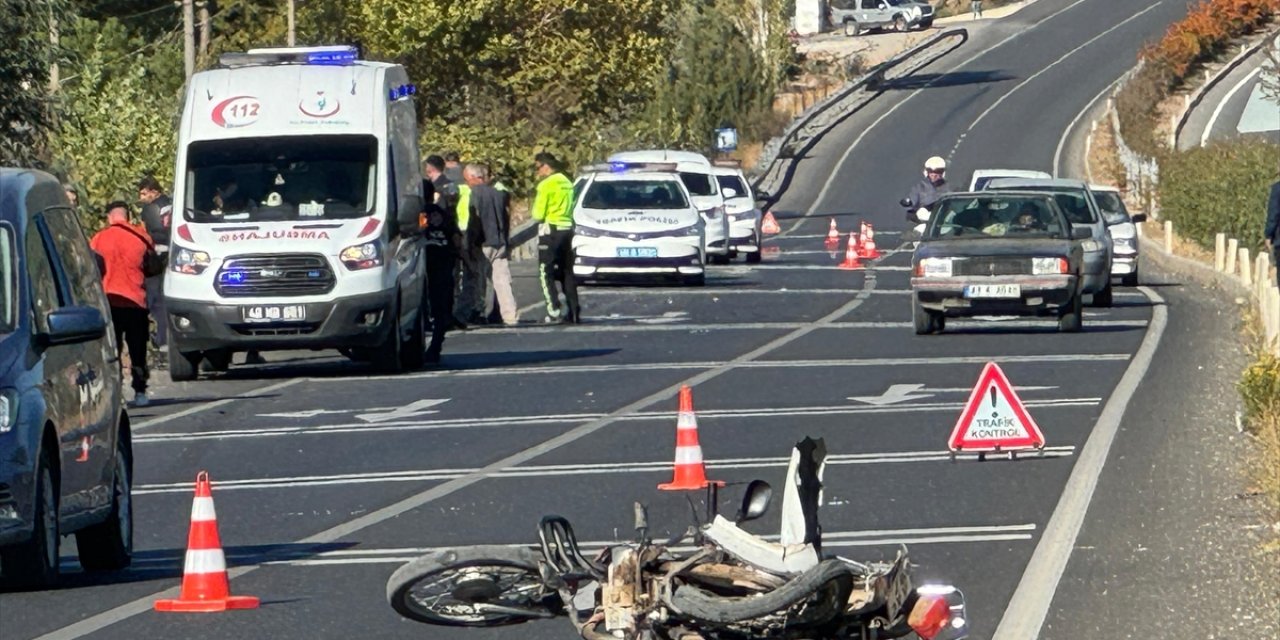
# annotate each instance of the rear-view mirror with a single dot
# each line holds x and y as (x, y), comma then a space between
(1138, 217)
(755, 502)
(1081, 233)
(70, 325)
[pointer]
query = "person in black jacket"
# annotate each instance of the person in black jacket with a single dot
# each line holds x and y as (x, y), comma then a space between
(1272, 230)
(441, 239)
(157, 213)
(489, 215)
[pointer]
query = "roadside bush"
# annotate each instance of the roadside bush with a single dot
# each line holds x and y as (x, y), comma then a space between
(1260, 386)
(1221, 188)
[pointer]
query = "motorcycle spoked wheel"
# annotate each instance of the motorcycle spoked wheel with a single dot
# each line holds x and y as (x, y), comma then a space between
(481, 586)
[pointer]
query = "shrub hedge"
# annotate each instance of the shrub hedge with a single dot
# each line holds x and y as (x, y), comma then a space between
(1221, 188)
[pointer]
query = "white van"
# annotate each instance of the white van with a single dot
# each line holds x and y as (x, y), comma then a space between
(297, 193)
(696, 173)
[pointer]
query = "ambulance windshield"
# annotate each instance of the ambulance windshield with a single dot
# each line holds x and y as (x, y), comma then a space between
(314, 177)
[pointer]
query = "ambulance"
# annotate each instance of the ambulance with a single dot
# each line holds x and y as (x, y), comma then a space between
(297, 195)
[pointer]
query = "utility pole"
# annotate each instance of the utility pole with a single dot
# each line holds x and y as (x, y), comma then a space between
(189, 37)
(204, 27)
(53, 54)
(292, 33)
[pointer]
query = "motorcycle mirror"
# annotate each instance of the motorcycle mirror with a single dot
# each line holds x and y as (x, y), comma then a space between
(922, 214)
(755, 502)
(906, 202)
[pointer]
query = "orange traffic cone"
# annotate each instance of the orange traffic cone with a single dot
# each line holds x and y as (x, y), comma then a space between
(867, 248)
(833, 236)
(770, 225)
(851, 253)
(690, 474)
(205, 587)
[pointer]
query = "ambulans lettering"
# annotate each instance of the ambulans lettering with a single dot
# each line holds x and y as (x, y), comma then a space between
(280, 234)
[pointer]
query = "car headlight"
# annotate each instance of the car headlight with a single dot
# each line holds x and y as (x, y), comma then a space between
(1125, 243)
(1091, 246)
(1049, 266)
(8, 410)
(189, 261)
(362, 256)
(934, 268)
(586, 232)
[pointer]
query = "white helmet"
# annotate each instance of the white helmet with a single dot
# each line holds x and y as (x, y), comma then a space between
(935, 163)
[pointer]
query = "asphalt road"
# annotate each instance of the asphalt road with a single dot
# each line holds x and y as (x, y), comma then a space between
(326, 479)
(1235, 107)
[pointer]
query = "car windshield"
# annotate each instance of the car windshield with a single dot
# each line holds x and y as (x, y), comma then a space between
(635, 194)
(999, 216)
(1072, 201)
(698, 184)
(282, 178)
(732, 182)
(1113, 209)
(8, 280)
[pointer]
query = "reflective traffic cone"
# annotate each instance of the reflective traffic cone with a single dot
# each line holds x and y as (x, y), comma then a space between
(867, 248)
(833, 236)
(690, 474)
(770, 225)
(851, 253)
(205, 587)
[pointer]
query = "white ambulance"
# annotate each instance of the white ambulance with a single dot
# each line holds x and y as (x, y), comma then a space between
(297, 194)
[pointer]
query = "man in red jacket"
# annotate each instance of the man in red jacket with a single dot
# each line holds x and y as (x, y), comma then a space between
(123, 248)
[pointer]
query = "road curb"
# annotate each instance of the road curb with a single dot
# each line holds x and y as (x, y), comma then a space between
(1199, 94)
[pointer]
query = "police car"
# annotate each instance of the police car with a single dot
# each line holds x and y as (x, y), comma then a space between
(745, 236)
(636, 221)
(695, 171)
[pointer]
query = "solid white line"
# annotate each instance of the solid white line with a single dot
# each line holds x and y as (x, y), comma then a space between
(1217, 112)
(1041, 72)
(608, 325)
(710, 291)
(1026, 612)
(562, 470)
(248, 395)
(1066, 133)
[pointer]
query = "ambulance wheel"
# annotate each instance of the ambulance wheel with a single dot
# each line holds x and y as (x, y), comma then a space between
(753, 257)
(219, 360)
(183, 366)
(696, 281)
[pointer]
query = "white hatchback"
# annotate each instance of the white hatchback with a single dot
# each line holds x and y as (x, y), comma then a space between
(636, 222)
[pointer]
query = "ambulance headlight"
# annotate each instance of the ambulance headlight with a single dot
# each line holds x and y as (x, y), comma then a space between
(188, 261)
(362, 256)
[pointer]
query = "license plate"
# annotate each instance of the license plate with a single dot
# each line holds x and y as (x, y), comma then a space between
(993, 291)
(637, 252)
(274, 313)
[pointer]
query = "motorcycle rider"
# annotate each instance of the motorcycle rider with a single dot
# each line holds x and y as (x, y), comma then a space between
(928, 189)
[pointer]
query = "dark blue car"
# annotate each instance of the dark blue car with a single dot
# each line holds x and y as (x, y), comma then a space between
(65, 455)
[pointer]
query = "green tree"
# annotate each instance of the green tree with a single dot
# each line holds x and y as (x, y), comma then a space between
(28, 113)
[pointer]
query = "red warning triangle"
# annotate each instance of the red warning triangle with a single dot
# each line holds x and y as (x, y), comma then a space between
(994, 418)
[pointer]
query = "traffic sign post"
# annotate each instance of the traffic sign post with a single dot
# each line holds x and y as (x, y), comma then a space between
(995, 420)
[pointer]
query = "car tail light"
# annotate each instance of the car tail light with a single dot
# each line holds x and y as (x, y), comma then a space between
(929, 616)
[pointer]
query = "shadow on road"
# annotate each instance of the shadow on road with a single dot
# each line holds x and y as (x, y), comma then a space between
(954, 79)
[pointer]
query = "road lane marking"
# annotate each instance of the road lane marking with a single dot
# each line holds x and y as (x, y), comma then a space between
(610, 325)
(1025, 614)
(535, 420)
(1066, 133)
(982, 116)
(248, 395)
(1217, 112)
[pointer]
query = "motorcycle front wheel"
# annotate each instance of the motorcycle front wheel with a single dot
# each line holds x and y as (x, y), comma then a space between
(481, 586)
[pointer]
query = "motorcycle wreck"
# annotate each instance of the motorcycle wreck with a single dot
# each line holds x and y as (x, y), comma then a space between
(716, 581)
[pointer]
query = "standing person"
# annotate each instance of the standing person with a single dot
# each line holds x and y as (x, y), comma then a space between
(453, 167)
(441, 239)
(157, 211)
(1272, 230)
(489, 214)
(469, 306)
(123, 248)
(976, 7)
(553, 209)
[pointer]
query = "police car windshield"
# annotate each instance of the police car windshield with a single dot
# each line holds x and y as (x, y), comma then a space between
(698, 184)
(732, 182)
(634, 194)
(313, 177)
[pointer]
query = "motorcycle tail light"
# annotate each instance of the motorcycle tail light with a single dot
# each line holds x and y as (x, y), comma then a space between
(929, 616)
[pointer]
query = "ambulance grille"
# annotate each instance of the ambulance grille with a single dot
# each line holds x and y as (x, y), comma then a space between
(288, 274)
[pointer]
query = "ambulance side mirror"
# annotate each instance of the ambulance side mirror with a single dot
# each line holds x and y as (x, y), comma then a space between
(407, 216)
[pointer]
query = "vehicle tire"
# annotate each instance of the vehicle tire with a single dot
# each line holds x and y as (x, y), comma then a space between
(413, 350)
(706, 606)
(1104, 298)
(219, 360)
(108, 545)
(927, 24)
(925, 321)
(34, 563)
(852, 28)
(1071, 321)
(183, 366)
(386, 357)
(472, 576)
(753, 257)
(1130, 280)
(900, 24)
(699, 280)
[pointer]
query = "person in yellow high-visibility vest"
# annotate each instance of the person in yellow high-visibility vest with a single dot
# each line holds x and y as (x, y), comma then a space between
(553, 209)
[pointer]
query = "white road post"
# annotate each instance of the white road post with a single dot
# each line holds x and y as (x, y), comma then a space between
(1220, 252)
(1168, 237)
(1245, 272)
(1233, 249)
(1273, 330)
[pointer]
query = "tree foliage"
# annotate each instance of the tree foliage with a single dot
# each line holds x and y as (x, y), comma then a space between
(28, 115)
(1221, 188)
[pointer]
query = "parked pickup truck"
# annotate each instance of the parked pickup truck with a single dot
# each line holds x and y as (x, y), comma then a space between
(857, 16)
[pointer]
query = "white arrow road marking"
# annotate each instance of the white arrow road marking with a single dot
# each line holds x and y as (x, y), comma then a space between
(411, 410)
(896, 393)
(311, 413)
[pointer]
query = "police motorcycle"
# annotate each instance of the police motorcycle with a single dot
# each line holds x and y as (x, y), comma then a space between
(727, 584)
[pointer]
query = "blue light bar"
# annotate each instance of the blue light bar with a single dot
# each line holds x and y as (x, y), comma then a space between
(618, 166)
(335, 57)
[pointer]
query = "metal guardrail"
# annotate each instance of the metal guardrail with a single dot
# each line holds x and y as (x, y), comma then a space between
(806, 131)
